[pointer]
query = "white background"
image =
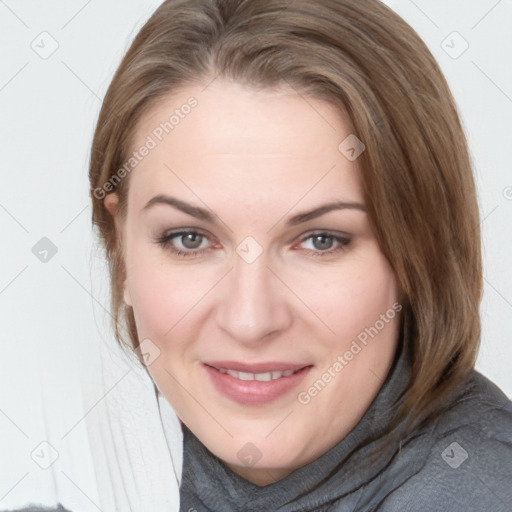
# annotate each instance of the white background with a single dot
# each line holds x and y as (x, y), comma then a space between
(55, 314)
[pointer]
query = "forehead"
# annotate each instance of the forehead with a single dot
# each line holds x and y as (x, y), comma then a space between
(228, 139)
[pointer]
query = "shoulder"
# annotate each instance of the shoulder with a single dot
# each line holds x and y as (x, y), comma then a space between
(468, 463)
(41, 508)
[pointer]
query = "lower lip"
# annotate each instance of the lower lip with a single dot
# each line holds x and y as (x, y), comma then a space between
(254, 392)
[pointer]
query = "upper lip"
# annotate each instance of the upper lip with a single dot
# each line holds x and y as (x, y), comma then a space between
(262, 367)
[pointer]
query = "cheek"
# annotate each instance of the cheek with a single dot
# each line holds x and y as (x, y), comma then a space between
(352, 299)
(160, 298)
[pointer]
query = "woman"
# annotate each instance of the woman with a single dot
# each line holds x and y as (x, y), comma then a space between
(285, 197)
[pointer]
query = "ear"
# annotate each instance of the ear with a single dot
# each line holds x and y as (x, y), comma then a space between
(111, 203)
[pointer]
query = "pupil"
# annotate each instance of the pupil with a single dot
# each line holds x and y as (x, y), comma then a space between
(191, 241)
(325, 242)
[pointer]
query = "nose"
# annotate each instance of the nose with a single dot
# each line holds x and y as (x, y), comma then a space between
(253, 304)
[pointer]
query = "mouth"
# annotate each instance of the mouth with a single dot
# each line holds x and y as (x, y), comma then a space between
(258, 383)
(266, 376)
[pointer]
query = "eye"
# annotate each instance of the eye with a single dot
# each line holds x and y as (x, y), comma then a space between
(191, 240)
(184, 243)
(325, 243)
(191, 243)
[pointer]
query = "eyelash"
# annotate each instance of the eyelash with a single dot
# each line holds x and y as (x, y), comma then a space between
(166, 239)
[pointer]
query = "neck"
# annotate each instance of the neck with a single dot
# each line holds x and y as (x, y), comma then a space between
(260, 476)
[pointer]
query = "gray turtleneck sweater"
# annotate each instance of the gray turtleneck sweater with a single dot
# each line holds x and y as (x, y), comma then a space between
(460, 462)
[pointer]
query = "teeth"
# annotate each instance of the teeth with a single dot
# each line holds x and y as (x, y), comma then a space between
(245, 376)
(265, 376)
(257, 376)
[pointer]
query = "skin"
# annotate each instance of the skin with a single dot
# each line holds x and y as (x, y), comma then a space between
(256, 158)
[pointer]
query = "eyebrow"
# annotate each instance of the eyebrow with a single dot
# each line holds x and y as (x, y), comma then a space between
(203, 214)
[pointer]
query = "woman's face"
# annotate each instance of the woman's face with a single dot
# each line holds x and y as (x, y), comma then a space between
(271, 278)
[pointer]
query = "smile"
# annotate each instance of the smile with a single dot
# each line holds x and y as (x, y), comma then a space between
(257, 376)
(255, 384)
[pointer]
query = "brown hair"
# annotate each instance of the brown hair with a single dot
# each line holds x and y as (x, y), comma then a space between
(364, 59)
